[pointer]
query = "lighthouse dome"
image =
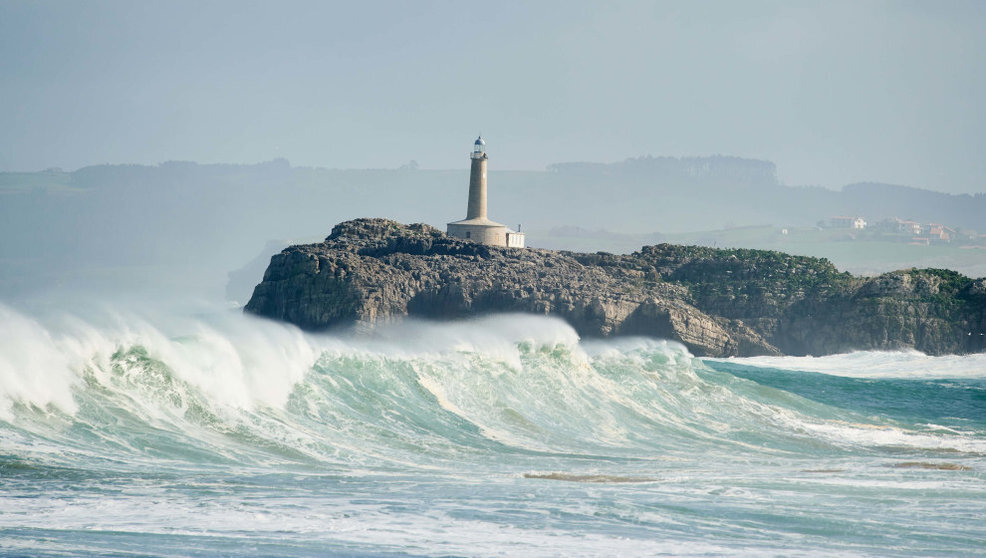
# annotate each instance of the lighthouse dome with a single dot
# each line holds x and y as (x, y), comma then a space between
(480, 144)
(479, 148)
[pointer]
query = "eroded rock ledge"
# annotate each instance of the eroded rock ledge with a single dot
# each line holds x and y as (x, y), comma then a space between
(716, 302)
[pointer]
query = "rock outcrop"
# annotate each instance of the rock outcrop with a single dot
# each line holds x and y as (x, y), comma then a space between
(716, 302)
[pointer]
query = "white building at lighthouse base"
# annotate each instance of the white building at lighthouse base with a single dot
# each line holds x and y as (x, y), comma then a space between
(487, 232)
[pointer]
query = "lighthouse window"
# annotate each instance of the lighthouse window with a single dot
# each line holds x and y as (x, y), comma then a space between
(468, 234)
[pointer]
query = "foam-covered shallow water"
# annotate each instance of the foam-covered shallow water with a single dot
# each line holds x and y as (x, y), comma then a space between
(226, 435)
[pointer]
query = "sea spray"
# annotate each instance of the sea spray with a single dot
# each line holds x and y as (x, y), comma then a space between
(237, 361)
(34, 368)
(521, 382)
(219, 433)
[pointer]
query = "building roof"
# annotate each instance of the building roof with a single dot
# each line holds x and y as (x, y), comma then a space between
(478, 222)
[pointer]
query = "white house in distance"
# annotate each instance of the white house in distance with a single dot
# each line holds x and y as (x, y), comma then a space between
(476, 226)
(843, 222)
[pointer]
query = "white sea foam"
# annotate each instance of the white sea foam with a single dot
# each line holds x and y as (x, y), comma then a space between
(334, 523)
(237, 361)
(495, 336)
(878, 364)
(451, 438)
(523, 381)
(845, 434)
(34, 367)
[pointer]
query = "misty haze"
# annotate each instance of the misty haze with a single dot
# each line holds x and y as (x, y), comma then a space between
(187, 225)
(728, 298)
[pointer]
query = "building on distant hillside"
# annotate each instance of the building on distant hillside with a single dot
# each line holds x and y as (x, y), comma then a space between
(476, 226)
(843, 222)
(910, 227)
(940, 233)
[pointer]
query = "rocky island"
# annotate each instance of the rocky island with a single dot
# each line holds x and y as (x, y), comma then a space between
(717, 302)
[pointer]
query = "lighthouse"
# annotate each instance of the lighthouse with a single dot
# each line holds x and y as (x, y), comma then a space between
(477, 227)
(477, 181)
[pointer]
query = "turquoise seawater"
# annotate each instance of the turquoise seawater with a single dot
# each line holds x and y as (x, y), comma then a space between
(223, 435)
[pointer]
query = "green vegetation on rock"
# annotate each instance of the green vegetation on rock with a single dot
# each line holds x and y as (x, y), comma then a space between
(717, 302)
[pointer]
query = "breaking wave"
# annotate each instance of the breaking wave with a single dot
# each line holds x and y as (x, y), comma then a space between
(231, 389)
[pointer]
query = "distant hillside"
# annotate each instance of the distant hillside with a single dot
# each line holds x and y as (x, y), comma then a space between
(184, 220)
(880, 201)
(669, 194)
(717, 170)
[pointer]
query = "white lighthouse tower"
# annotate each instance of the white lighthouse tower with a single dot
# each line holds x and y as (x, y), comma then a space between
(477, 226)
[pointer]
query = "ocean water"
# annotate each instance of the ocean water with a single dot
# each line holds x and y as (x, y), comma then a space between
(218, 434)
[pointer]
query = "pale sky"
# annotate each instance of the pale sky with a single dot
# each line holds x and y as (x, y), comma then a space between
(832, 92)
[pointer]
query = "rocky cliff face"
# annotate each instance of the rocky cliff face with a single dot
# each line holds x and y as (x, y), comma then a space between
(716, 302)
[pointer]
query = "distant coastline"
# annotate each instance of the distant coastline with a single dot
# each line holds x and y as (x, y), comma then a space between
(190, 224)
